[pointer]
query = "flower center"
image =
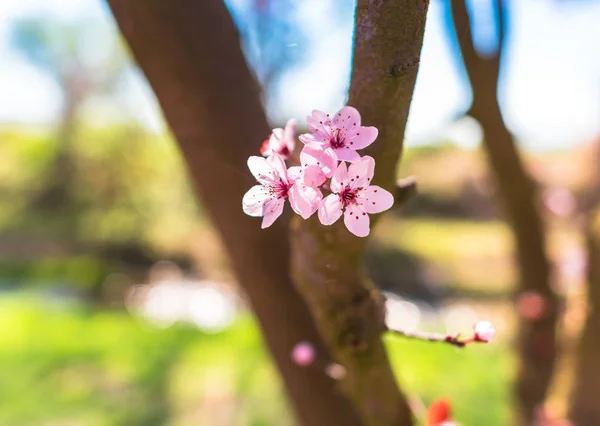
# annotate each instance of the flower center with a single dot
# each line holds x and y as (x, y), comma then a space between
(280, 189)
(337, 140)
(284, 151)
(348, 196)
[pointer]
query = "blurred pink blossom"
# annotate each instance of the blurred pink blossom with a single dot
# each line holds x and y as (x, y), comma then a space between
(303, 354)
(281, 141)
(531, 305)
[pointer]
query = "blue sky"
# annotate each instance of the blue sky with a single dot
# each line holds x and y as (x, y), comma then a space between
(550, 94)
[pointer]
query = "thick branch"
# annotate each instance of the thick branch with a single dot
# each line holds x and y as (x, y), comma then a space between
(537, 341)
(482, 72)
(328, 261)
(584, 409)
(190, 53)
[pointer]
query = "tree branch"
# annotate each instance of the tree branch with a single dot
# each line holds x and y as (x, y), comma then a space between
(405, 189)
(584, 409)
(189, 50)
(328, 261)
(537, 340)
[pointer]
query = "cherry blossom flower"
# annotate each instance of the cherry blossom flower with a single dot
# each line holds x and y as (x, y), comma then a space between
(281, 141)
(484, 331)
(275, 186)
(343, 134)
(353, 196)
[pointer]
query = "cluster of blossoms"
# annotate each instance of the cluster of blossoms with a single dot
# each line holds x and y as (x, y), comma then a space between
(331, 143)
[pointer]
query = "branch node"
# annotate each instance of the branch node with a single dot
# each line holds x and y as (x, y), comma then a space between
(399, 69)
(406, 188)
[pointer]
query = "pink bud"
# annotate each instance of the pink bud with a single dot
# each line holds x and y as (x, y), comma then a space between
(484, 331)
(303, 353)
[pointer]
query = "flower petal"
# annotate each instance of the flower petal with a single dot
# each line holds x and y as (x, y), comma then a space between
(278, 164)
(314, 176)
(272, 209)
(262, 170)
(347, 117)
(318, 123)
(330, 209)
(304, 200)
(314, 154)
(357, 221)
(339, 179)
(361, 172)
(307, 138)
(376, 199)
(361, 137)
(347, 154)
(294, 173)
(289, 133)
(253, 200)
(329, 162)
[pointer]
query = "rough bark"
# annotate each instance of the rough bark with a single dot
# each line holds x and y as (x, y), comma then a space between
(584, 407)
(328, 261)
(537, 340)
(190, 52)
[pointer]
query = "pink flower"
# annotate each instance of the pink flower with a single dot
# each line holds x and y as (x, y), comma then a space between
(343, 134)
(281, 141)
(484, 331)
(353, 196)
(303, 354)
(267, 198)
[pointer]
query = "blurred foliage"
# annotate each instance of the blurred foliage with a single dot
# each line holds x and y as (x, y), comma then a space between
(64, 364)
(129, 185)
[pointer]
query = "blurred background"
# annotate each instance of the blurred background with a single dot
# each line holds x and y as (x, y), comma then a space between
(117, 304)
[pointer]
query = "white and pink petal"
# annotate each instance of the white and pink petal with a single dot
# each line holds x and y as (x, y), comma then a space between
(262, 170)
(330, 209)
(339, 179)
(361, 172)
(361, 137)
(304, 200)
(347, 154)
(376, 199)
(278, 165)
(347, 117)
(254, 199)
(272, 209)
(357, 221)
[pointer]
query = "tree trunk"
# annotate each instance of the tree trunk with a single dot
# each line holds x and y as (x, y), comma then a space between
(537, 340)
(328, 261)
(585, 409)
(191, 55)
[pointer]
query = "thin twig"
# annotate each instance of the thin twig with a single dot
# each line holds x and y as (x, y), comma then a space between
(453, 340)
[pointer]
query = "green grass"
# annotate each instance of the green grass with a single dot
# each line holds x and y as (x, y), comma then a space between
(64, 365)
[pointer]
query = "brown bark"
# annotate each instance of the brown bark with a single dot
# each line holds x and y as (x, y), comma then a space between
(190, 53)
(537, 340)
(584, 408)
(328, 261)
